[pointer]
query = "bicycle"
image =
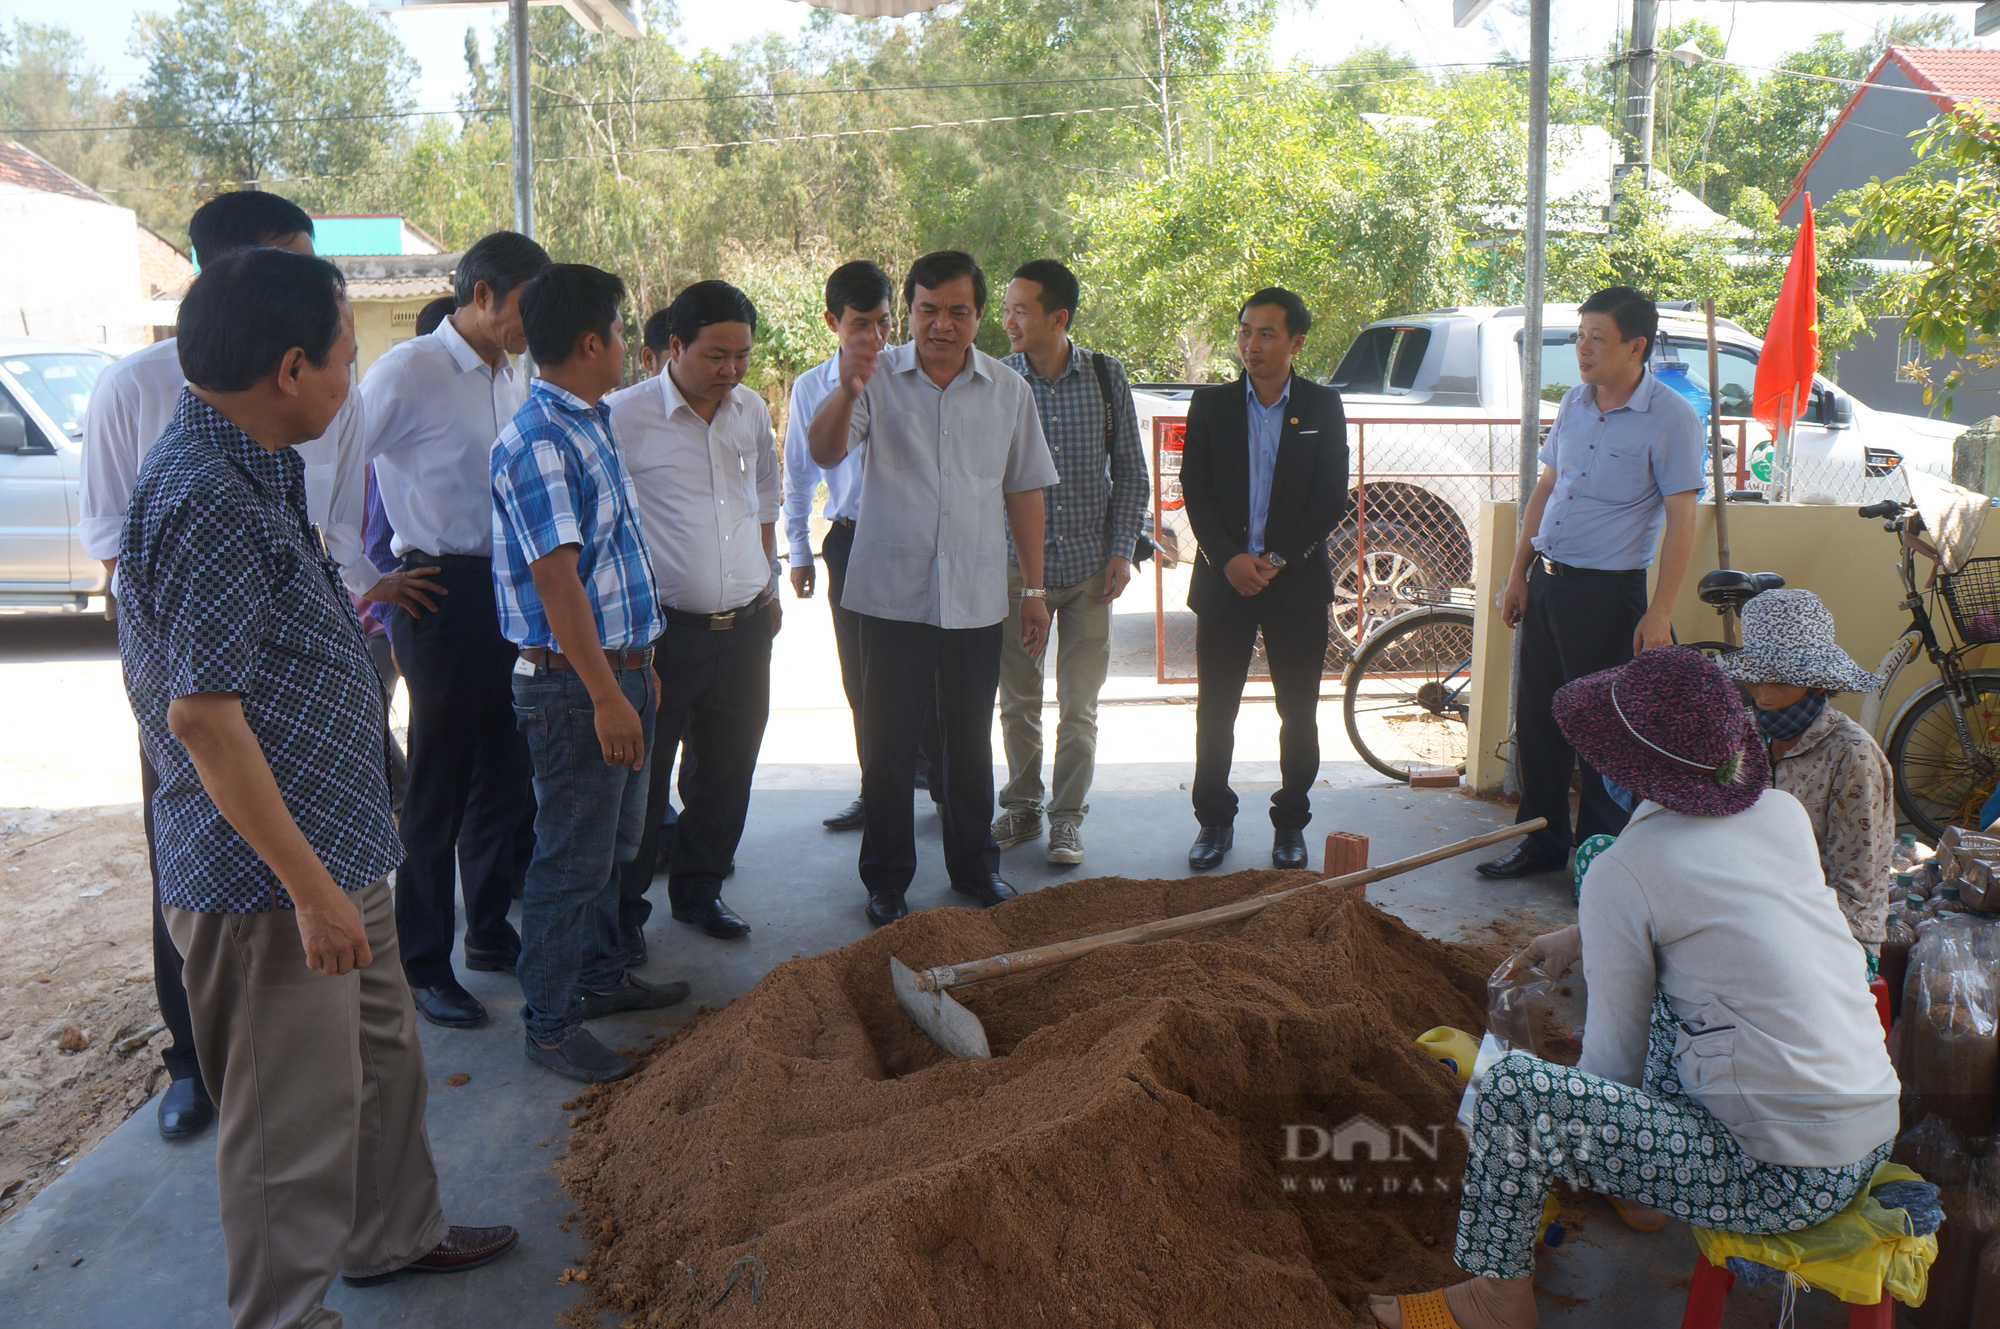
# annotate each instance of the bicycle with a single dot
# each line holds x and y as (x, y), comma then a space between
(1944, 740)
(1409, 688)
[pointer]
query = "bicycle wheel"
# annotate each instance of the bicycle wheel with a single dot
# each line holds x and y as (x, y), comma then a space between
(1936, 784)
(1408, 690)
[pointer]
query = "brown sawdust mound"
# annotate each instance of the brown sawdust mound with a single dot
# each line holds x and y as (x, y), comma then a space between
(1099, 1170)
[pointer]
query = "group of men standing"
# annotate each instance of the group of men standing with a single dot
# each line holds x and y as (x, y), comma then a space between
(581, 577)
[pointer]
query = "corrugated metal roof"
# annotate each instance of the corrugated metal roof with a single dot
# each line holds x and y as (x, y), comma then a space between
(22, 167)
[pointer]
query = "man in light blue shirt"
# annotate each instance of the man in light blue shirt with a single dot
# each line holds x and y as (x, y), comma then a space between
(1621, 469)
(858, 297)
(1265, 424)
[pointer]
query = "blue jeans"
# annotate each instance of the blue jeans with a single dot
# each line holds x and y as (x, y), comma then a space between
(588, 819)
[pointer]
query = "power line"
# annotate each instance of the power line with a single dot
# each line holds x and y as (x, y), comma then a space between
(766, 95)
(433, 169)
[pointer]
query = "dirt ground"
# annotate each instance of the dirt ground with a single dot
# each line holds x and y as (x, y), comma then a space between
(79, 1027)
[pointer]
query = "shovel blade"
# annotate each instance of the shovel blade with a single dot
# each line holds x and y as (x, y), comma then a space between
(950, 1026)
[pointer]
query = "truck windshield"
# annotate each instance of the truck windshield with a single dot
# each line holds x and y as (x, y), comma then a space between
(1382, 360)
(1736, 367)
(60, 384)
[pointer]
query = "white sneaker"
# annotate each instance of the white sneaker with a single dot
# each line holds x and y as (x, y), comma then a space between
(1016, 825)
(1065, 844)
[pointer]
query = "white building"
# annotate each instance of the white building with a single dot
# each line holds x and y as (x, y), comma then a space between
(71, 270)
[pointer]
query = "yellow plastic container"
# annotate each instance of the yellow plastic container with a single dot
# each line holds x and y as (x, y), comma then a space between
(1453, 1048)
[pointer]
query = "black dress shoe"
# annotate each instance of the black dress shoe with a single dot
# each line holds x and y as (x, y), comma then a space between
(849, 818)
(582, 1057)
(1288, 849)
(714, 918)
(1210, 846)
(635, 995)
(1524, 860)
(634, 942)
(886, 908)
(988, 891)
(493, 962)
(450, 1005)
(185, 1109)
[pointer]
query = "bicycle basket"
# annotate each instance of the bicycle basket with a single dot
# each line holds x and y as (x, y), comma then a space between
(1973, 594)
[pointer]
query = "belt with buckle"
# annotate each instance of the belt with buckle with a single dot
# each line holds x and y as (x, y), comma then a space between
(543, 657)
(1555, 569)
(723, 622)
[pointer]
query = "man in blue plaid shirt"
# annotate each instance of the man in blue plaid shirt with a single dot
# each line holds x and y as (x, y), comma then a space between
(1093, 522)
(576, 594)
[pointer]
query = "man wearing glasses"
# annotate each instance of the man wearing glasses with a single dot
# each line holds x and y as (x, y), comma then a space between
(1622, 463)
(952, 459)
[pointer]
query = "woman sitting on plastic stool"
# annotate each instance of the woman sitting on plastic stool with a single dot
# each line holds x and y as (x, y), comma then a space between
(1733, 1071)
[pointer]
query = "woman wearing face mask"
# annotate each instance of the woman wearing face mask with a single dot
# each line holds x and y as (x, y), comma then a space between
(1733, 1070)
(1789, 664)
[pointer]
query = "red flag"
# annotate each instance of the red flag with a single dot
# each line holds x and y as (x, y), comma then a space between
(1791, 344)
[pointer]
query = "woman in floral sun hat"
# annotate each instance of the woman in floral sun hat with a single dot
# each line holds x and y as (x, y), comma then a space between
(1789, 664)
(1733, 1071)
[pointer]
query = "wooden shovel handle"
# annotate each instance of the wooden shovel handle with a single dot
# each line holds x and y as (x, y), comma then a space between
(940, 977)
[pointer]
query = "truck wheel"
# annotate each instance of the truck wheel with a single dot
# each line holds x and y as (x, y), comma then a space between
(1390, 571)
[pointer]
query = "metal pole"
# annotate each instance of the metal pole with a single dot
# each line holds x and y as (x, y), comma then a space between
(517, 113)
(1639, 82)
(1534, 237)
(1721, 493)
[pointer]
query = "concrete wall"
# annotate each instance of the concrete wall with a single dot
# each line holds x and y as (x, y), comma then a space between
(1847, 562)
(71, 270)
(380, 324)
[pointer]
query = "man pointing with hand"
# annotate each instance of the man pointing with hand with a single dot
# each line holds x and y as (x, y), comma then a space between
(952, 459)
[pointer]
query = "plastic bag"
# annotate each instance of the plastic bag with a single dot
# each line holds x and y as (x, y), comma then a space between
(1949, 1057)
(1859, 1253)
(1967, 1175)
(1986, 1292)
(1518, 999)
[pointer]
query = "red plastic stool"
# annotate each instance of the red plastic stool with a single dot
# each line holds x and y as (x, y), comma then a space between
(1878, 988)
(1712, 1283)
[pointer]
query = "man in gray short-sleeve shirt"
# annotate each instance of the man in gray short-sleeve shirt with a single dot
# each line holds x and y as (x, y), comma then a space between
(952, 457)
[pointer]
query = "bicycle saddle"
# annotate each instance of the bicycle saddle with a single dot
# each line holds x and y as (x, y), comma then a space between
(1727, 588)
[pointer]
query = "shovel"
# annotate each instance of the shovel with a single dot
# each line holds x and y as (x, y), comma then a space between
(926, 997)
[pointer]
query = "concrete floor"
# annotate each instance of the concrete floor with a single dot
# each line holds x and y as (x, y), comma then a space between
(128, 1236)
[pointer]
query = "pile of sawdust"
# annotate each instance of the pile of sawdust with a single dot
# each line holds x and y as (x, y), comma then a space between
(1116, 1164)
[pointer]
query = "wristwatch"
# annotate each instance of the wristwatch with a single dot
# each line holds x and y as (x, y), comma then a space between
(1034, 593)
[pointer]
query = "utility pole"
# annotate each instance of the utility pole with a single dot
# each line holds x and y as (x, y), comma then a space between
(518, 114)
(1641, 65)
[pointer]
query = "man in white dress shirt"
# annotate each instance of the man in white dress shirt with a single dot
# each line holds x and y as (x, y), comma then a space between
(130, 408)
(952, 459)
(703, 461)
(435, 406)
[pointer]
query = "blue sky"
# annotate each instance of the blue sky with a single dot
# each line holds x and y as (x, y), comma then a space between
(1322, 33)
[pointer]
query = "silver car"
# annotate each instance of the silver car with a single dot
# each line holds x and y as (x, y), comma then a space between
(44, 388)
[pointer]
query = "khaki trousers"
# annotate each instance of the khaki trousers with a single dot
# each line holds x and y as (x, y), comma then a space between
(322, 1159)
(1083, 656)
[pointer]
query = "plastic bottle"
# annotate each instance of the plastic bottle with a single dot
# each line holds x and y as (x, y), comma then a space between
(1948, 901)
(1895, 963)
(1903, 858)
(1674, 374)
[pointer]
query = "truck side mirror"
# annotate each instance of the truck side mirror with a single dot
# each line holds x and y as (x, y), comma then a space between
(13, 433)
(1836, 409)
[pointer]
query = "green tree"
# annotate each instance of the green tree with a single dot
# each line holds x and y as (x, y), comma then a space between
(249, 91)
(1944, 210)
(53, 99)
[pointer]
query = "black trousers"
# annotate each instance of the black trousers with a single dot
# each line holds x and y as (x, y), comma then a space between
(471, 798)
(838, 545)
(382, 657)
(1295, 648)
(168, 988)
(715, 687)
(1573, 626)
(909, 668)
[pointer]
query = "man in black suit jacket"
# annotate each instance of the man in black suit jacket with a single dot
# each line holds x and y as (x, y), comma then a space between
(1264, 476)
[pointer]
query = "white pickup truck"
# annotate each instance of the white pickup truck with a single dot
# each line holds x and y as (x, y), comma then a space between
(1433, 405)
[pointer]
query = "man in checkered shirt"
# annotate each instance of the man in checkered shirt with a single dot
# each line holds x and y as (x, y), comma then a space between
(258, 706)
(1093, 523)
(575, 590)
